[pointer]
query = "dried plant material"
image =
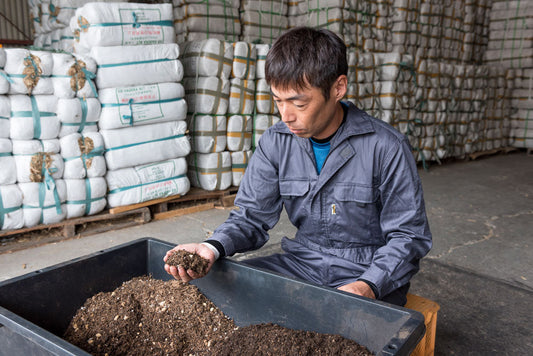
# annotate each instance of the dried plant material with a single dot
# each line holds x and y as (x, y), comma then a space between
(83, 24)
(86, 145)
(188, 260)
(36, 166)
(77, 75)
(32, 71)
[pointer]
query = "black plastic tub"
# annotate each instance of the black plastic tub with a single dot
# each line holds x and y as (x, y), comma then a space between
(35, 309)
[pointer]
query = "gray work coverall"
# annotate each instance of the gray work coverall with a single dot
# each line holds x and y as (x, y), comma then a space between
(363, 217)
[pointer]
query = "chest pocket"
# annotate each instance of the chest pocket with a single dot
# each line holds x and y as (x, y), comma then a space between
(290, 189)
(359, 194)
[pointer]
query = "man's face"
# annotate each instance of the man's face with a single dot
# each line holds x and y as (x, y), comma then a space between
(306, 112)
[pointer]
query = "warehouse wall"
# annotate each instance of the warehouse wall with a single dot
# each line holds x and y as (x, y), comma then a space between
(15, 23)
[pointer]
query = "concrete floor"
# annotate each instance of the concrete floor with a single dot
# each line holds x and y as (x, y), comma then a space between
(480, 269)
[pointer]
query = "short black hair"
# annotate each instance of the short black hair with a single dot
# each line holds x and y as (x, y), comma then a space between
(306, 56)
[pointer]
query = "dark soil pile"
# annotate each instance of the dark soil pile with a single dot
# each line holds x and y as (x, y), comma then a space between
(188, 261)
(146, 316)
(271, 339)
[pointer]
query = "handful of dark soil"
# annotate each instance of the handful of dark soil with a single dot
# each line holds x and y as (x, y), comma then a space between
(188, 260)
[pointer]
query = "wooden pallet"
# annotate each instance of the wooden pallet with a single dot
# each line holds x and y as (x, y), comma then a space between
(476, 155)
(14, 240)
(195, 200)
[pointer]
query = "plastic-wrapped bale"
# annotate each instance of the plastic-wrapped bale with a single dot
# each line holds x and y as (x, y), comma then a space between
(521, 125)
(147, 182)
(11, 214)
(264, 102)
(210, 171)
(73, 76)
(208, 133)
(244, 60)
(142, 105)
(122, 24)
(242, 96)
(261, 122)
(66, 40)
(498, 107)
(78, 115)
(207, 58)
(263, 27)
(207, 95)
(33, 117)
(405, 25)
(510, 34)
(212, 18)
(338, 20)
(262, 51)
(5, 113)
(133, 146)
(44, 203)
(239, 162)
(36, 159)
(83, 155)
(30, 71)
(8, 169)
(239, 133)
(4, 82)
(85, 196)
(120, 66)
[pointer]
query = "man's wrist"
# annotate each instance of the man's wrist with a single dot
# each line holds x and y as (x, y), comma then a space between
(216, 247)
(372, 286)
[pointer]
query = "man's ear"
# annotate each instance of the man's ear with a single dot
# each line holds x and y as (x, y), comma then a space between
(340, 87)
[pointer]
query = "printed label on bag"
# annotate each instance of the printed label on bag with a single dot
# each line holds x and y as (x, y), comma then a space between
(135, 32)
(140, 112)
(158, 173)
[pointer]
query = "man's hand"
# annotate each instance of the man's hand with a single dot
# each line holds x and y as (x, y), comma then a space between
(359, 288)
(187, 275)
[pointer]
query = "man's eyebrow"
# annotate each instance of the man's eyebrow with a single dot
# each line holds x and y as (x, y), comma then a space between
(295, 97)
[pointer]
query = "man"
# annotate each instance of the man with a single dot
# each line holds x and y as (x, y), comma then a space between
(348, 182)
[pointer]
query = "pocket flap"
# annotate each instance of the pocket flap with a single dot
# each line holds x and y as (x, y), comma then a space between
(354, 192)
(295, 188)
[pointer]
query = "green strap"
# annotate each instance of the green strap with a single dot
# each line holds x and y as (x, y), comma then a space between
(83, 104)
(134, 24)
(110, 65)
(118, 190)
(162, 101)
(3, 74)
(36, 118)
(97, 151)
(145, 142)
(5, 211)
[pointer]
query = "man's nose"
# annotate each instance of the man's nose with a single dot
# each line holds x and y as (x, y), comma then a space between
(285, 112)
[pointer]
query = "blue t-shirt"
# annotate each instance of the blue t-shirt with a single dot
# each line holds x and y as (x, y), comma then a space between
(321, 152)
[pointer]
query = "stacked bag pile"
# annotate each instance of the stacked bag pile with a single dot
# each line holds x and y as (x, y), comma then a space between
(32, 168)
(521, 126)
(266, 112)
(451, 30)
(11, 214)
(142, 120)
(511, 46)
(51, 21)
(81, 145)
(336, 16)
(263, 21)
(202, 19)
(50, 150)
(207, 66)
(241, 108)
